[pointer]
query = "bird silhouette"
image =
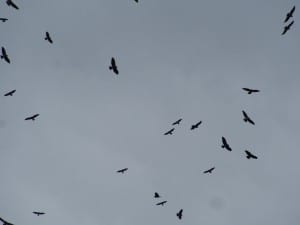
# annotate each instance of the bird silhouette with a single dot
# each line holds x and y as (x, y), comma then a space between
(287, 28)
(179, 214)
(210, 170)
(289, 14)
(170, 132)
(250, 91)
(156, 195)
(194, 126)
(48, 38)
(122, 170)
(113, 66)
(225, 144)
(247, 118)
(4, 55)
(32, 117)
(12, 4)
(10, 93)
(5, 222)
(3, 19)
(250, 155)
(177, 122)
(161, 203)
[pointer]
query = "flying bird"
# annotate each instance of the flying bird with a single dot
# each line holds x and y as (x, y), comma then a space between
(170, 132)
(210, 170)
(161, 203)
(113, 66)
(32, 117)
(5, 222)
(4, 55)
(247, 118)
(225, 144)
(48, 38)
(288, 27)
(122, 170)
(290, 14)
(156, 195)
(250, 91)
(12, 4)
(38, 213)
(194, 126)
(10, 93)
(179, 214)
(136, 1)
(3, 19)
(177, 122)
(250, 155)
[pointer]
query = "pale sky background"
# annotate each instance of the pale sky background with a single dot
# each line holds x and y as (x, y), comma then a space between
(176, 59)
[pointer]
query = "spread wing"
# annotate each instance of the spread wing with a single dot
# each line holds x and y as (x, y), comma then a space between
(11, 3)
(251, 121)
(284, 31)
(289, 26)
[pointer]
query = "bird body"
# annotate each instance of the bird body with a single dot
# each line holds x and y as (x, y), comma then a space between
(12, 4)
(250, 91)
(225, 144)
(210, 170)
(3, 19)
(161, 203)
(170, 132)
(122, 170)
(4, 55)
(247, 118)
(177, 122)
(287, 28)
(194, 126)
(32, 117)
(10, 93)
(48, 38)
(38, 213)
(289, 14)
(179, 214)
(113, 66)
(156, 195)
(250, 155)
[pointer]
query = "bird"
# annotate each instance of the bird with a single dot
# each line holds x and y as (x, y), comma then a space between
(32, 117)
(113, 66)
(5, 222)
(48, 38)
(288, 27)
(161, 203)
(225, 144)
(156, 195)
(3, 19)
(290, 14)
(179, 214)
(4, 55)
(38, 213)
(122, 170)
(177, 122)
(10, 93)
(194, 126)
(170, 132)
(250, 91)
(136, 1)
(12, 4)
(247, 118)
(250, 155)
(210, 170)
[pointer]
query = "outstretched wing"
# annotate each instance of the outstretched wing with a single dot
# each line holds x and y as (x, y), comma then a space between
(11, 3)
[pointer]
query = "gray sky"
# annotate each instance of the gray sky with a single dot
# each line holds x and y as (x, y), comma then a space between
(176, 59)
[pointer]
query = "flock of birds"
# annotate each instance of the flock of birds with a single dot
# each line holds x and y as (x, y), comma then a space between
(114, 68)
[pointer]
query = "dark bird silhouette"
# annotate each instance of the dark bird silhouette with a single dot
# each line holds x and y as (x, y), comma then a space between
(4, 55)
(161, 203)
(250, 155)
(5, 222)
(156, 195)
(170, 132)
(194, 126)
(10, 93)
(113, 66)
(250, 91)
(225, 144)
(48, 38)
(210, 170)
(136, 1)
(38, 213)
(287, 28)
(12, 4)
(122, 170)
(177, 122)
(3, 19)
(179, 214)
(32, 117)
(247, 118)
(290, 14)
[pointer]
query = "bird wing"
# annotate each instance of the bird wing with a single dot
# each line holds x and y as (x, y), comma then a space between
(14, 5)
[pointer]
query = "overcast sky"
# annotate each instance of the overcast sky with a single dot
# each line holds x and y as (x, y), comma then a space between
(177, 59)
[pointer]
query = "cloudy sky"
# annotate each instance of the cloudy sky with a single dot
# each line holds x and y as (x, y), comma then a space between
(177, 59)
